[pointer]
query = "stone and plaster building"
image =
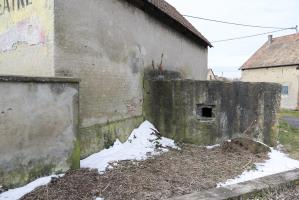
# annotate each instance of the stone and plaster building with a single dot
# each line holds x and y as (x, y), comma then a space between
(135, 60)
(109, 45)
(277, 61)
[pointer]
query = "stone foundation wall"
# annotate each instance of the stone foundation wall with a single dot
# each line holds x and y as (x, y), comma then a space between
(38, 129)
(208, 112)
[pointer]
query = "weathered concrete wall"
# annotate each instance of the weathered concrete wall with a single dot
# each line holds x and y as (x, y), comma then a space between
(175, 107)
(286, 76)
(27, 37)
(101, 136)
(38, 128)
(108, 44)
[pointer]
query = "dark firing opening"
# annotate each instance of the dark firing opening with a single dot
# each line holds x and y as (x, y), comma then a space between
(207, 112)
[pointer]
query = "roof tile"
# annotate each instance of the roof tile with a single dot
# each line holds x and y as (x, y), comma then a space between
(282, 51)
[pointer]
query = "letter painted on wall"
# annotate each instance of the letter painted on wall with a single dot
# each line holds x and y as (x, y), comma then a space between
(13, 5)
(27, 37)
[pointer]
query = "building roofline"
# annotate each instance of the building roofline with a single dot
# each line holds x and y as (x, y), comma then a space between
(285, 36)
(271, 66)
(212, 72)
(253, 55)
(245, 66)
(151, 9)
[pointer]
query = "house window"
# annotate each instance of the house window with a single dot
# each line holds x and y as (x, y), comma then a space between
(285, 90)
(205, 112)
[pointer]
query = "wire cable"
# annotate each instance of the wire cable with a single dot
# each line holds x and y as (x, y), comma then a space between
(237, 24)
(249, 36)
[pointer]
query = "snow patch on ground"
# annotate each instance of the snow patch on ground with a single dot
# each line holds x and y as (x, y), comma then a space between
(278, 162)
(17, 193)
(142, 143)
(213, 146)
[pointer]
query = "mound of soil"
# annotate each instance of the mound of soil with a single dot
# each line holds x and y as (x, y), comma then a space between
(175, 173)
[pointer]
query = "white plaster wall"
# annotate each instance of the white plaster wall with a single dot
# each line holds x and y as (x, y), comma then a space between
(27, 38)
(288, 76)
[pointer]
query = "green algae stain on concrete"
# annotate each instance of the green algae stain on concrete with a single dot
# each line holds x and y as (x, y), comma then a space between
(178, 107)
(26, 174)
(166, 105)
(100, 136)
(74, 159)
(38, 168)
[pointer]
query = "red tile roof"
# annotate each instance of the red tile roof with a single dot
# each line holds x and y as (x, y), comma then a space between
(168, 14)
(282, 51)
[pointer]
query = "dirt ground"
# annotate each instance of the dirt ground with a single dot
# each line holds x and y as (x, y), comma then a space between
(191, 169)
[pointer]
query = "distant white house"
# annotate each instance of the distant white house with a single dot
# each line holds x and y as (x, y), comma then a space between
(277, 61)
(211, 75)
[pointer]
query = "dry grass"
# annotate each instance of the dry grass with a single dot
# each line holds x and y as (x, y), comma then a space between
(287, 194)
(171, 174)
(290, 193)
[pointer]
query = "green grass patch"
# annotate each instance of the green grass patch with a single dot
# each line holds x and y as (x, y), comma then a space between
(289, 113)
(289, 138)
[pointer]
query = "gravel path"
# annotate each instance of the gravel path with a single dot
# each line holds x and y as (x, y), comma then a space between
(294, 121)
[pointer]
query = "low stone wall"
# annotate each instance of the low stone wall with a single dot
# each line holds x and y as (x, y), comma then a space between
(38, 129)
(208, 112)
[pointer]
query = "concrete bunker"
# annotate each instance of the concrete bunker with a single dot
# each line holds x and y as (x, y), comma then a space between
(209, 112)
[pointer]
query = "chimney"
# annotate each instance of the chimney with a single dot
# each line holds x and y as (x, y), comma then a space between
(270, 38)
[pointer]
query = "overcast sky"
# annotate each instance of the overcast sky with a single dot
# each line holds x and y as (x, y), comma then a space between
(227, 57)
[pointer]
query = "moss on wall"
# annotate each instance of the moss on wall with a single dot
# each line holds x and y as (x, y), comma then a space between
(25, 174)
(38, 168)
(74, 159)
(101, 136)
